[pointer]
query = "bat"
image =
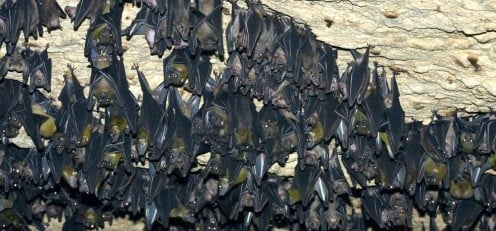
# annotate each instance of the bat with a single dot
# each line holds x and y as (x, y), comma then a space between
(91, 9)
(177, 68)
(16, 61)
(178, 22)
(392, 172)
(114, 153)
(308, 72)
(206, 33)
(266, 41)
(50, 13)
(305, 180)
(72, 91)
(236, 36)
(485, 136)
(103, 39)
(44, 115)
(433, 172)
(152, 116)
(373, 105)
(358, 79)
(178, 142)
(5, 21)
(40, 70)
(335, 215)
(24, 18)
(200, 69)
(76, 123)
(322, 120)
(23, 112)
(253, 24)
(143, 23)
(395, 118)
(466, 221)
(246, 128)
(335, 176)
(105, 90)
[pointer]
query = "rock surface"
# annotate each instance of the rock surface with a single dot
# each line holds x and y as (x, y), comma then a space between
(444, 51)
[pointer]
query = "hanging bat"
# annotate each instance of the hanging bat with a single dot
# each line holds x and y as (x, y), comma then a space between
(358, 79)
(305, 180)
(24, 18)
(91, 9)
(207, 30)
(178, 22)
(104, 89)
(50, 13)
(40, 70)
(152, 116)
(16, 61)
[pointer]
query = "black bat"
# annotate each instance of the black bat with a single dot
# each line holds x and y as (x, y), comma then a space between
(246, 128)
(40, 70)
(16, 61)
(236, 36)
(152, 116)
(433, 172)
(375, 206)
(200, 69)
(44, 114)
(253, 24)
(373, 104)
(5, 22)
(178, 141)
(289, 43)
(59, 164)
(103, 39)
(395, 118)
(392, 172)
(336, 178)
(121, 181)
(471, 210)
(308, 72)
(72, 91)
(335, 215)
(266, 41)
(23, 111)
(206, 34)
(115, 153)
(76, 123)
(178, 23)
(305, 180)
(143, 22)
(91, 9)
(321, 119)
(485, 136)
(358, 79)
(105, 90)
(177, 68)
(50, 13)
(413, 154)
(24, 18)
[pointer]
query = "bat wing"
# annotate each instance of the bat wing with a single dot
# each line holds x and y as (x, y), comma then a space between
(152, 114)
(84, 9)
(396, 117)
(358, 80)
(305, 180)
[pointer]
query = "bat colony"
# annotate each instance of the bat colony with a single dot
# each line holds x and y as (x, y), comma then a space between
(87, 172)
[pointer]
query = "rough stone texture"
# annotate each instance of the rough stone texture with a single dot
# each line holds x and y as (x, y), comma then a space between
(444, 50)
